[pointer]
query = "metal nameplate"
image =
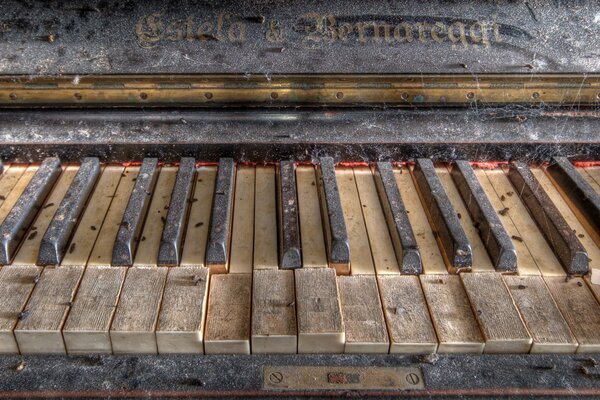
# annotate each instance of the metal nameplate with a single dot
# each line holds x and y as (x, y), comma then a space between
(341, 378)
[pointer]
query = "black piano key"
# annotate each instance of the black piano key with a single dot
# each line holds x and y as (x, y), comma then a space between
(217, 251)
(561, 238)
(289, 228)
(403, 237)
(579, 191)
(25, 209)
(338, 245)
(491, 231)
(446, 224)
(135, 213)
(170, 244)
(56, 237)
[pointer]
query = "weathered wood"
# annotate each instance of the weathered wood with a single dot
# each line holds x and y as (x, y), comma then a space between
(406, 314)
(552, 224)
(18, 184)
(529, 233)
(493, 235)
(8, 180)
(378, 235)
(196, 237)
(56, 237)
(500, 322)
(366, 331)
(39, 329)
(265, 219)
(82, 242)
(228, 314)
(432, 260)
(16, 284)
(25, 208)
(336, 235)
(130, 227)
(526, 264)
(396, 214)
(481, 259)
(149, 241)
(543, 320)
(182, 315)
(218, 247)
(585, 234)
(135, 319)
(311, 227)
(456, 327)
(242, 230)
(107, 233)
(274, 328)
(169, 253)
(360, 250)
(87, 327)
(580, 309)
(320, 324)
(442, 217)
(289, 228)
(27, 253)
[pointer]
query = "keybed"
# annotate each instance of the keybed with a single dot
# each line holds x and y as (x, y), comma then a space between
(157, 258)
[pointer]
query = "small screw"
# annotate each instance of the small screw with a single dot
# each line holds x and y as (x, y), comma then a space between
(77, 96)
(143, 96)
(12, 96)
(208, 95)
(274, 95)
(535, 95)
(404, 96)
(339, 95)
(470, 95)
(276, 377)
(412, 378)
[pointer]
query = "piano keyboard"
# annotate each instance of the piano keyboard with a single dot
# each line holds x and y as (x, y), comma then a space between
(223, 258)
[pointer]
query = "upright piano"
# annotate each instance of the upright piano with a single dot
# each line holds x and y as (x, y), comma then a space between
(304, 199)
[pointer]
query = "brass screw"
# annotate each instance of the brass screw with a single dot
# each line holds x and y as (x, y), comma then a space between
(470, 95)
(208, 95)
(12, 96)
(339, 95)
(274, 95)
(143, 96)
(535, 95)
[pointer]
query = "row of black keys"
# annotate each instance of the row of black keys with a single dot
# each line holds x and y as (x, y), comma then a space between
(444, 218)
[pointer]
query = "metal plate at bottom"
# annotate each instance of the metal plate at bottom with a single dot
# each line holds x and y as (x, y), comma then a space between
(341, 378)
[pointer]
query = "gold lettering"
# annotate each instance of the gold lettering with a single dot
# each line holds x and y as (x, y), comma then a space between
(496, 29)
(408, 34)
(204, 31)
(274, 33)
(423, 26)
(236, 32)
(360, 28)
(462, 37)
(377, 27)
(149, 30)
(344, 30)
(313, 35)
(174, 32)
(329, 30)
(189, 28)
(475, 37)
(437, 30)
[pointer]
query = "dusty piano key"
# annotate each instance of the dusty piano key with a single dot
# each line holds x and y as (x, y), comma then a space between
(274, 326)
(289, 228)
(217, 252)
(182, 315)
(451, 235)
(500, 321)
(265, 219)
(134, 323)
(578, 190)
(133, 219)
(579, 308)
(492, 232)
(228, 315)
(366, 331)
(172, 235)
(56, 238)
(314, 253)
(545, 323)
(403, 238)
(242, 225)
(23, 212)
(40, 327)
(557, 232)
(338, 244)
